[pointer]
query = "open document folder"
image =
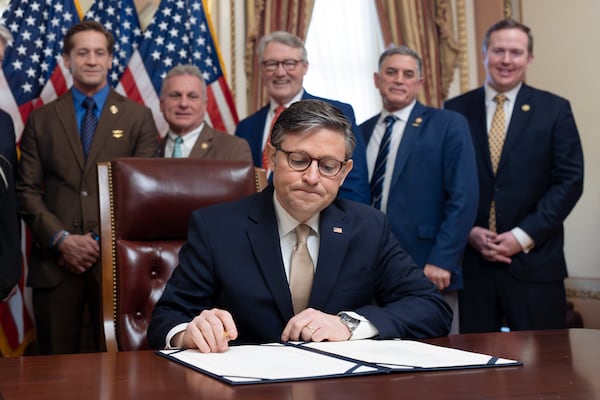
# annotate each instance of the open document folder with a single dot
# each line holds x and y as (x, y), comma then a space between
(278, 362)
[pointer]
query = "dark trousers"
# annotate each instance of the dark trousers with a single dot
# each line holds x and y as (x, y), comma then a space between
(59, 314)
(495, 299)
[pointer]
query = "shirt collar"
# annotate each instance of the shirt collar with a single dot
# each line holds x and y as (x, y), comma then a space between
(401, 114)
(511, 95)
(99, 97)
(286, 223)
(296, 98)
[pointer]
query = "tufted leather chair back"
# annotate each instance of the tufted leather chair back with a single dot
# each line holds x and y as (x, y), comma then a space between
(145, 205)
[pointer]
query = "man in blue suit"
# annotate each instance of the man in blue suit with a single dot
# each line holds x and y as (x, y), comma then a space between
(237, 273)
(427, 183)
(283, 63)
(515, 264)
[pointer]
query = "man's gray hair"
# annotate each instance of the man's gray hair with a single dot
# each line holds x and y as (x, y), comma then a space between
(405, 51)
(184, 69)
(282, 37)
(309, 115)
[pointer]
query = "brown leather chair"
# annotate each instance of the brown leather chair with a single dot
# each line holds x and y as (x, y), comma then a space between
(145, 205)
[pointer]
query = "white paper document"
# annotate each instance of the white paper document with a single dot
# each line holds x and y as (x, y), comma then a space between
(277, 362)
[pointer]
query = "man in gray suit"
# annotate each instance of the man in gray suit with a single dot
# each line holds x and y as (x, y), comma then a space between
(183, 104)
(57, 186)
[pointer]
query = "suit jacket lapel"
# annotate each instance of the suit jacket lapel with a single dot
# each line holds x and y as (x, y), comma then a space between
(203, 142)
(518, 121)
(113, 108)
(476, 113)
(65, 111)
(263, 236)
(409, 138)
(336, 232)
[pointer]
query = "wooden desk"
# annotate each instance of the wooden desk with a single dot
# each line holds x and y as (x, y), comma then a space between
(558, 364)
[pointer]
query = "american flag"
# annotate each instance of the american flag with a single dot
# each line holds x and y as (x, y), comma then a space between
(34, 58)
(180, 33)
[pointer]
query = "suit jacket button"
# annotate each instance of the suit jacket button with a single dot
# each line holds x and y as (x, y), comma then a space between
(84, 193)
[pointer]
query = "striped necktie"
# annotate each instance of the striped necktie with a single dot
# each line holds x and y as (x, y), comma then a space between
(378, 175)
(88, 125)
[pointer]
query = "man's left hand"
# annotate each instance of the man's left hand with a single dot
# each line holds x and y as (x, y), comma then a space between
(439, 276)
(316, 326)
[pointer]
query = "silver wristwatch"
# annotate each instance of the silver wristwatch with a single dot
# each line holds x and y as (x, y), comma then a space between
(350, 322)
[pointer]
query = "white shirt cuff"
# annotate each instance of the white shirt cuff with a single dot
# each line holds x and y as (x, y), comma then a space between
(174, 331)
(523, 238)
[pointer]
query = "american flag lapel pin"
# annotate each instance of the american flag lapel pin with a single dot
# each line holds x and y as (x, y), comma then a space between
(337, 229)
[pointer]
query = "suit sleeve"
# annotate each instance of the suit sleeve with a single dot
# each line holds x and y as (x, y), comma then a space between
(565, 184)
(147, 142)
(407, 305)
(461, 187)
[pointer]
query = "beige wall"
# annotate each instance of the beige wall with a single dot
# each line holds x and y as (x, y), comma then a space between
(566, 42)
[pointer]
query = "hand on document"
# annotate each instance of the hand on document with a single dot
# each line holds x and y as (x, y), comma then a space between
(210, 332)
(315, 326)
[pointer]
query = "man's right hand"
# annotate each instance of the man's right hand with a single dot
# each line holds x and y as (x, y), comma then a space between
(210, 332)
(78, 253)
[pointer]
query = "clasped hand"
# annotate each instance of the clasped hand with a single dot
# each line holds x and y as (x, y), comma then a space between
(212, 330)
(78, 253)
(493, 246)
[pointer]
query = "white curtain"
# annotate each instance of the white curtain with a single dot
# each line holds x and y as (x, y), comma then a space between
(343, 44)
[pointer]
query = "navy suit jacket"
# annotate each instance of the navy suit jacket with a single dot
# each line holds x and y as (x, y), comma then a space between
(232, 260)
(434, 191)
(356, 185)
(538, 182)
(10, 243)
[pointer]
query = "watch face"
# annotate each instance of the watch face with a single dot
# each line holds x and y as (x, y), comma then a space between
(350, 322)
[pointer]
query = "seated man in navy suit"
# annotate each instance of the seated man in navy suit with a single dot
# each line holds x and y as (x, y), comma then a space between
(282, 60)
(241, 271)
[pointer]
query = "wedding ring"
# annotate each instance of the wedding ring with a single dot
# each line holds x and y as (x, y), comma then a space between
(311, 329)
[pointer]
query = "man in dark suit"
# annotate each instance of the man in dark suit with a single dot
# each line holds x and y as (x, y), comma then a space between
(283, 63)
(10, 247)
(183, 104)
(58, 189)
(427, 183)
(530, 165)
(233, 273)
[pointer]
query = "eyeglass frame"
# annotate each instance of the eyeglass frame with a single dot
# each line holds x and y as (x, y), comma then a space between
(272, 65)
(342, 164)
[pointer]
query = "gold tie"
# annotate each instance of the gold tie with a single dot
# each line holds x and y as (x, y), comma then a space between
(496, 141)
(301, 271)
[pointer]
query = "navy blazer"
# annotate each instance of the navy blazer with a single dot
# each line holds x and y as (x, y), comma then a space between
(232, 260)
(538, 182)
(434, 192)
(356, 185)
(10, 236)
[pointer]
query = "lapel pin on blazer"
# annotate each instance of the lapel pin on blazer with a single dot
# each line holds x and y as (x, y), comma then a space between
(114, 109)
(417, 122)
(525, 107)
(117, 133)
(204, 145)
(337, 229)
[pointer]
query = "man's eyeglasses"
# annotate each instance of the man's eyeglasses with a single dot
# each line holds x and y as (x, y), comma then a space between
(288, 65)
(300, 161)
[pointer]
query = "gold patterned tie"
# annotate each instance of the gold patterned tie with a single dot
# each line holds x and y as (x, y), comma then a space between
(496, 141)
(302, 270)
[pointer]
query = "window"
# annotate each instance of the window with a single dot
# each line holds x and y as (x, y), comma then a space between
(343, 44)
